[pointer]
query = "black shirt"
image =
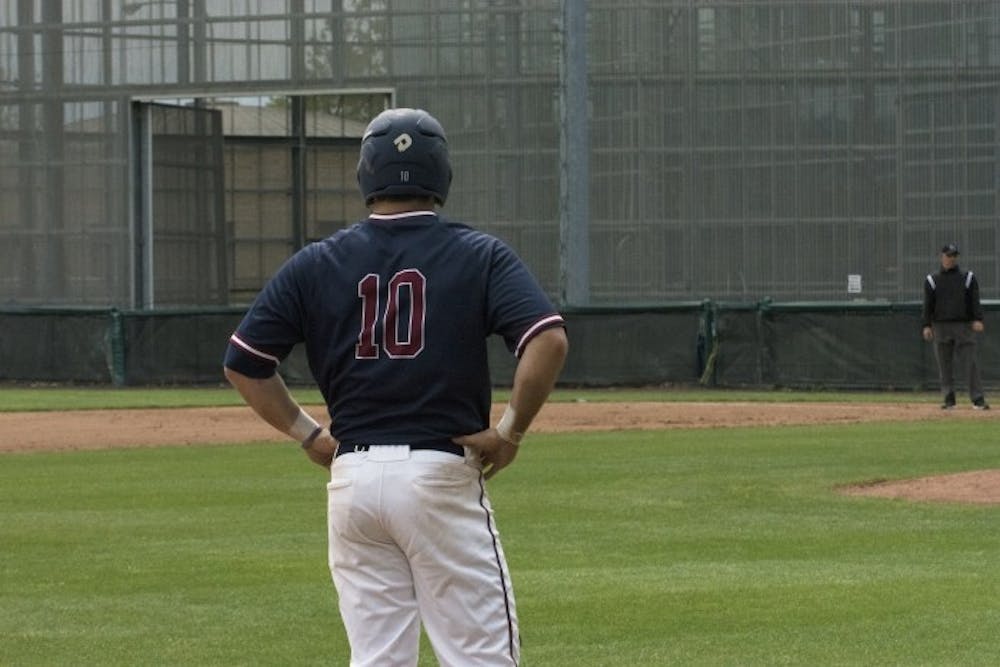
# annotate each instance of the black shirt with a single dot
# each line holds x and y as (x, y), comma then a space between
(951, 296)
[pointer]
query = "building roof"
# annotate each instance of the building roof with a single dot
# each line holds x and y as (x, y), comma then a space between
(273, 121)
(257, 121)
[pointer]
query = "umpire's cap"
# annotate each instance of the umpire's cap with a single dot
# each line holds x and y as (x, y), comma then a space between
(404, 152)
(950, 249)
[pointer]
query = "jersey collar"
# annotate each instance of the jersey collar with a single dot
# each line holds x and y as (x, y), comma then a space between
(399, 216)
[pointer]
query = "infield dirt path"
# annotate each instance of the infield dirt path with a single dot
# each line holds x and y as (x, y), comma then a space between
(100, 429)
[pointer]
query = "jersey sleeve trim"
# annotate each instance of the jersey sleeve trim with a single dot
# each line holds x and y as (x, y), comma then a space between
(235, 340)
(534, 329)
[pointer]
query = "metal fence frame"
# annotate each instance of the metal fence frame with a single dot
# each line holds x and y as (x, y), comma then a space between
(733, 150)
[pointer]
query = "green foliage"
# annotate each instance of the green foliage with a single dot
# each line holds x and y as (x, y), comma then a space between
(697, 547)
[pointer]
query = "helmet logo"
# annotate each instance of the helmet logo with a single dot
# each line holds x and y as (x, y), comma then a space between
(403, 142)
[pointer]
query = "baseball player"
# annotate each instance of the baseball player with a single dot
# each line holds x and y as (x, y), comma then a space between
(394, 313)
(952, 316)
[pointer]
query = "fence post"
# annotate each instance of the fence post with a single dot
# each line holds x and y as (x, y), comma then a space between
(117, 344)
(764, 365)
(708, 344)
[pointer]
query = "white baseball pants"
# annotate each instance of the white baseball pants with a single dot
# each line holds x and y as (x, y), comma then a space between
(412, 540)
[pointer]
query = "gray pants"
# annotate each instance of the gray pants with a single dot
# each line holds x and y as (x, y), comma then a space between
(955, 347)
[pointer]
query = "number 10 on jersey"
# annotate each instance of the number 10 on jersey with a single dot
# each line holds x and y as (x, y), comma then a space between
(405, 302)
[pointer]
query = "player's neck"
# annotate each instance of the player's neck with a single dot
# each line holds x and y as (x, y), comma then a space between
(391, 206)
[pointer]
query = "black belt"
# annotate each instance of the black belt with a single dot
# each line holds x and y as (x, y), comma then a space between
(436, 445)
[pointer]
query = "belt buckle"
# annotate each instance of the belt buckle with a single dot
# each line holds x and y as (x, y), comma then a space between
(350, 449)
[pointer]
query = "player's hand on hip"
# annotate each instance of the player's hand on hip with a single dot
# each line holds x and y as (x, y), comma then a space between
(928, 334)
(322, 449)
(977, 326)
(495, 452)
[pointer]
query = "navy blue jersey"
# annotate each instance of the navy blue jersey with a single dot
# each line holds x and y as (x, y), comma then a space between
(394, 313)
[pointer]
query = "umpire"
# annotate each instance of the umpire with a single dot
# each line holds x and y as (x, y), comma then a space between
(952, 316)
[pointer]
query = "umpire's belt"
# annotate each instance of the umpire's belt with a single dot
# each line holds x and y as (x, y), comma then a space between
(437, 445)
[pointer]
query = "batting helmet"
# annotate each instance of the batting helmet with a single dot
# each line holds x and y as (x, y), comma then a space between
(404, 152)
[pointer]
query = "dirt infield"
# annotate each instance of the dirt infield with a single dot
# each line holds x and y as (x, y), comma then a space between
(99, 429)
(980, 487)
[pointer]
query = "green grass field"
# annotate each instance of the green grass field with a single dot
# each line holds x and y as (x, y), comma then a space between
(687, 547)
(20, 398)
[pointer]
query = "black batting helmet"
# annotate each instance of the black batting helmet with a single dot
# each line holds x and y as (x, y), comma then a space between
(404, 152)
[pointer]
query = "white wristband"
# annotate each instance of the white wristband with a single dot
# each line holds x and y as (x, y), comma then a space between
(505, 428)
(303, 426)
